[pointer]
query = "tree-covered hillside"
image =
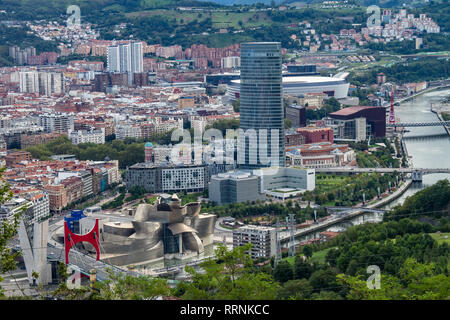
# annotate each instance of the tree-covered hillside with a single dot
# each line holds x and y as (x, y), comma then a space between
(432, 202)
(44, 9)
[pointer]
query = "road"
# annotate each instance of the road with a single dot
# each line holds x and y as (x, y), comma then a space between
(334, 219)
(381, 170)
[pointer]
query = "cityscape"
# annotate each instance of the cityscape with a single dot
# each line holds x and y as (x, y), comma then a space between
(224, 150)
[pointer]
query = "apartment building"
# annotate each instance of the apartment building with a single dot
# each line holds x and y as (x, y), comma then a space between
(167, 178)
(88, 136)
(128, 131)
(263, 240)
(44, 83)
(62, 123)
(29, 140)
(57, 197)
(39, 205)
(11, 207)
(16, 157)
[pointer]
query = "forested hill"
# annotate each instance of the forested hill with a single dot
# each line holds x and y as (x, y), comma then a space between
(248, 2)
(432, 202)
(43, 9)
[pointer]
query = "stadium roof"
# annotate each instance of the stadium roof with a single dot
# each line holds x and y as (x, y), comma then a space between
(304, 79)
(350, 110)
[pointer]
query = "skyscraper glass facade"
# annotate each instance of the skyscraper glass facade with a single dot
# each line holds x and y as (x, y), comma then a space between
(261, 102)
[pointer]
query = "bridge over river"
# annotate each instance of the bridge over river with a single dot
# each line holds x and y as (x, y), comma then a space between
(416, 173)
(418, 124)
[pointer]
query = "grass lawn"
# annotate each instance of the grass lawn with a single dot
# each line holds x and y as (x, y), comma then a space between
(189, 197)
(291, 260)
(329, 182)
(440, 237)
(219, 19)
(318, 256)
(151, 200)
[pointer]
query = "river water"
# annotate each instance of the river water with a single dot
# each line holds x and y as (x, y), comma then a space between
(428, 146)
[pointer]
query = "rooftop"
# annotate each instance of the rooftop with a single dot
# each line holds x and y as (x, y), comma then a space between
(351, 110)
(303, 79)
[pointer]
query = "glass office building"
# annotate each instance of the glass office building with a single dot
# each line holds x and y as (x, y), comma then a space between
(261, 100)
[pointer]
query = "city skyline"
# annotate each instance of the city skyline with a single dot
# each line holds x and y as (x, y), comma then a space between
(187, 150)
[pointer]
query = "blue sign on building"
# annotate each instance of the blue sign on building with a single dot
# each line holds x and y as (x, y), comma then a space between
(73, 221)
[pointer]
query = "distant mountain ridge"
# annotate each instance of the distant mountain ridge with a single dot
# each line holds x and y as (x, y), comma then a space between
(244, 2)
(381, 3)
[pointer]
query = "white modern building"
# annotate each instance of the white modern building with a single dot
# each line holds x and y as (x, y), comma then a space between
(33, 234)
(113, 59)
(179, 178)
(13, 206)
(126, 58)
(231, 62)
(29, 81)
(277, 178)
(167, 178)
(88, 136)
(128, 131)
(44, 83)
(336, 87)
(51, 83)
(62, 123)
(137, 57)
(252, 185)
(234, 186)
(165, 126)
(39, 205)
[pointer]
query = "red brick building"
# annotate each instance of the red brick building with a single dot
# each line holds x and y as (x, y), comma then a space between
(295, 139)
(57, 197)
(16, 157)
(315, 135)
(74, 188)
(28, 140)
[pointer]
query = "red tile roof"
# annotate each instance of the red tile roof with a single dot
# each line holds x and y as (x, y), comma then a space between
(351, 110)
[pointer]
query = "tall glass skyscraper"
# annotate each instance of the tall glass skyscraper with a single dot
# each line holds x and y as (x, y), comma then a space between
(261, 109)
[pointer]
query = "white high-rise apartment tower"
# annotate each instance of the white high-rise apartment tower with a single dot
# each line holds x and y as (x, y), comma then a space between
(29, 81)
(113, 59)
(137, 57)
(126, 58)
(44, 83)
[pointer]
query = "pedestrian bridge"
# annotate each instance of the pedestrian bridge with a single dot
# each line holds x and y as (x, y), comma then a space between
(418, 124)
(416, 173)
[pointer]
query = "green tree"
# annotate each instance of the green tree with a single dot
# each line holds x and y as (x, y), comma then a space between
(62, 292)
(324, 279)
(283, 271)
(287, 123)
(231, 275)
(416, 281)
(295, 289)
(307, 251)
(236, 105)
(8, 229)
(302, 269)
(127, 287)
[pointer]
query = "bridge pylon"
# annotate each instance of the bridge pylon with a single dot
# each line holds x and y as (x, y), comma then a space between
(391, 112)
(416, 175)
